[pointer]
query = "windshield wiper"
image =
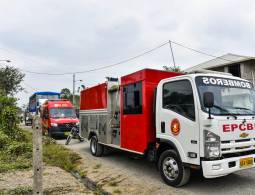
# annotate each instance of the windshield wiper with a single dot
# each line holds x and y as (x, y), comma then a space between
(241, 108)
(227, 112)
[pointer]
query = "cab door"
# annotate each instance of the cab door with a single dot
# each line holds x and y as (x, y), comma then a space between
(177, 118)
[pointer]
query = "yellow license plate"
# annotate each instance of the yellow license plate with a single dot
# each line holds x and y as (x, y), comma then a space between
(246, 162)
(66, 133)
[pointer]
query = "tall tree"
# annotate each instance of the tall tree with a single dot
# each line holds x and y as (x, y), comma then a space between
(66, 93)
(173, 69)
(10, 79)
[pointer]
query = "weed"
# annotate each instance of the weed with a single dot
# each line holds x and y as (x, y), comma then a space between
(21, 190)
(113, 183)
(97, 166)
(57, 155)
(16, 153)
(98, 190)
(83, 173)
(116, 191)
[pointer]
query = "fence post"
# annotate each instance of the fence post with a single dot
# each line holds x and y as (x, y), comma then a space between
(37, 156)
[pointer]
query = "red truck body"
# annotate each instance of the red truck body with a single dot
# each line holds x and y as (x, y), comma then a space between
(136, 135)
(137, 131)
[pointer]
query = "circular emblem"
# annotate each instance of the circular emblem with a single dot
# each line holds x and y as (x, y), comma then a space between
(175, 126)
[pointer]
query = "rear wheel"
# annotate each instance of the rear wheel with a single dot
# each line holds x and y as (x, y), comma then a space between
(96, 149)
(172, 170)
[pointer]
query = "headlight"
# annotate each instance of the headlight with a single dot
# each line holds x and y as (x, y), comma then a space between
(54, 124)
(77, 124)
(211, 144)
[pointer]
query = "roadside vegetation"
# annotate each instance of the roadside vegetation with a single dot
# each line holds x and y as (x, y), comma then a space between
(15, 146)
(59, 156)
(15, 143)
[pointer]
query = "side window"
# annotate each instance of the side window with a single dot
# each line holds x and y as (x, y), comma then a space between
(178, 97)
(132, 98)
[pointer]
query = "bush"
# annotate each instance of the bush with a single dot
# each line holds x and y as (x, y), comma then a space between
(19, 148)
(4, 140)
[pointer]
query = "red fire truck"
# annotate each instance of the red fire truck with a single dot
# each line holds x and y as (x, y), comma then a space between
(58, 117)
(180, 121)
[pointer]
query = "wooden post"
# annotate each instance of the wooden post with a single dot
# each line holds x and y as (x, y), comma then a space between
(37, 156)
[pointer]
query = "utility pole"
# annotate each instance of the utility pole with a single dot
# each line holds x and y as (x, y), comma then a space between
(170, 44)
(73, 88)
(37, 156)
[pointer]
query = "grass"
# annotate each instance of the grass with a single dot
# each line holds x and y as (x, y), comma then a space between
(116, 191)
(16, 155)
(97, 166)
(113, 183)
(21, 190)
(83, 173)
(59, 156)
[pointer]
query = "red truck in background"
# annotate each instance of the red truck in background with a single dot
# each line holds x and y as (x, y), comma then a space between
(58, 117)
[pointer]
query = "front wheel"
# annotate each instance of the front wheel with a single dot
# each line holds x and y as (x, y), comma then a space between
(172, 170)
(68, 139)
(96, 149)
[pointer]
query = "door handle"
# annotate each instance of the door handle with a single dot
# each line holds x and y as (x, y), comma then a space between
(163, 128)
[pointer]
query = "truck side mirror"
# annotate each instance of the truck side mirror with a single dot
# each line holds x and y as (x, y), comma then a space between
(208, 99)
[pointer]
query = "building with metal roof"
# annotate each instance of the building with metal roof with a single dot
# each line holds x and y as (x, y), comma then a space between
(237, 65)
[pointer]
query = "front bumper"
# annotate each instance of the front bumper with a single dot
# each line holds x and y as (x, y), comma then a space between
(56, 131)
(218, 168)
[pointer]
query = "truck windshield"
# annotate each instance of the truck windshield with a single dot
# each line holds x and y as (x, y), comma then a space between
(231, 96)
(62, 113)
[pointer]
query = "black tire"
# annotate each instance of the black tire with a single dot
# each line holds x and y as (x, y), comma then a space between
(81, 139)
(172, 170)
(68, 139)
(50, 133)
(96, 149)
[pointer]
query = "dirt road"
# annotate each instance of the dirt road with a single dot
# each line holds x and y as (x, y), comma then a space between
(238, 183)
(141, 177)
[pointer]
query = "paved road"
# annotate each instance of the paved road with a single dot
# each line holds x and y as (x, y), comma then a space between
(239, 183)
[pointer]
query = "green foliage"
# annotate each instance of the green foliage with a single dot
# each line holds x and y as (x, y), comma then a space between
(9, 117)
(19, 148)
(173, 69)
(21, 190)
(4, 140)
(15, 153)
(66, 94)
(10, 79)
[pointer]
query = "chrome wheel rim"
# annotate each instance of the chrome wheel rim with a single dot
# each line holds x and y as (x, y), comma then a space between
(170, 168)
(93, 146)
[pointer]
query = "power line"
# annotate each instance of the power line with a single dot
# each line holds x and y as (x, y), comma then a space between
(29, 86)
(199, 51)
(125, 60)
(102, 67)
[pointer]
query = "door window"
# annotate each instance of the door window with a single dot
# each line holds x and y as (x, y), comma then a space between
(132, 98)
(178, 97)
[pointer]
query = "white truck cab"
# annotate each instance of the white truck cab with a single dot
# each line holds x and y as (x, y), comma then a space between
(207, 121)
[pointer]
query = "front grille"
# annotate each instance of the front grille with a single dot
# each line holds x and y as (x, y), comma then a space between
(66, 126)
(237, 146)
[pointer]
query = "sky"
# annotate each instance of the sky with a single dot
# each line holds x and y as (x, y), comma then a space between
(57, 36)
